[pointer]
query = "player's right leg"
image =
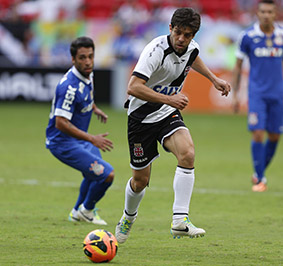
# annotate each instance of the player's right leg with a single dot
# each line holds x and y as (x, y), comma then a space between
(134, 193)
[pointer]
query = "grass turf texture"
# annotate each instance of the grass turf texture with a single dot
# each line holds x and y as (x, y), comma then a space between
(37, 192)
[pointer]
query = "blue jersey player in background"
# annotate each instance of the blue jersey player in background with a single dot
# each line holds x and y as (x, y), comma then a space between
(262, 43)
(67, 137)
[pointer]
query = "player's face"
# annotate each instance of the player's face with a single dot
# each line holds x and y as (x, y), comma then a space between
(266, 14)
(180, 38)
(84, 61)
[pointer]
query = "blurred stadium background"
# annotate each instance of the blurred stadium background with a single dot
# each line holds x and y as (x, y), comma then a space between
(36, 34)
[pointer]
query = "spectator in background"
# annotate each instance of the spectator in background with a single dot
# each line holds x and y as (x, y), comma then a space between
(67, 137)
(262, 43)
(132, 13)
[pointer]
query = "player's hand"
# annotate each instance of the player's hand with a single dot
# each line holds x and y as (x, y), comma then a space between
(222, 86)
(179, 101)
(101, 142)
(100, 115)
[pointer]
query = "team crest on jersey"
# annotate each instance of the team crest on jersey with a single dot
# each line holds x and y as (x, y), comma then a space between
(138, 150)
(268, 42)
(187, 69)
(97, 168)
(253, 119)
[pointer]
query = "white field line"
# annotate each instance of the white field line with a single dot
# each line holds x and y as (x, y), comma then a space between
(34, 182)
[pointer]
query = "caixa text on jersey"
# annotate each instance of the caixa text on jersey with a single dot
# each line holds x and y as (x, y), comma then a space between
(167, 90)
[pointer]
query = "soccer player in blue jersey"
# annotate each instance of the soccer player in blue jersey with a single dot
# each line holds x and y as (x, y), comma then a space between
(262, 43)
(67, 137)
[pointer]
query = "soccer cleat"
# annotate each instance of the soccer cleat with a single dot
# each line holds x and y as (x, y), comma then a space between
(97, 219)
(90, 216)
(73, 217)
(260, 187)
(123, 229)
(186, 228)
(255, 179)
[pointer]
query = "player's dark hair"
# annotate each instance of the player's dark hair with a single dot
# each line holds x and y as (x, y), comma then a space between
(266, 2)
(186, 17)
(80, 42)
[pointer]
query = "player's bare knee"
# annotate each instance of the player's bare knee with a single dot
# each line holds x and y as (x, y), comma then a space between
(139, 184)
(110, 178)
(273, 137)
(187, 157)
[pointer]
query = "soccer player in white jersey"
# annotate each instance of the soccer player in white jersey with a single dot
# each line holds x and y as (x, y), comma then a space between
(67, 137)
(262, 43)
(153, 115)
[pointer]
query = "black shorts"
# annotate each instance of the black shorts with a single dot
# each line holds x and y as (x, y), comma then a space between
(143, 137)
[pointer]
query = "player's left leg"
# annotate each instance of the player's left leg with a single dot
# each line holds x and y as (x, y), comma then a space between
(270, 147)
(98, 174)
(274, 128)
(257, 118)
(73, 216)
(273, 123)
(180, 143)
(101, 175)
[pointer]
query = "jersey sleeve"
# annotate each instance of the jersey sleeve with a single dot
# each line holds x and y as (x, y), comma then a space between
(65, 100)
(242, 46)
(148, 62)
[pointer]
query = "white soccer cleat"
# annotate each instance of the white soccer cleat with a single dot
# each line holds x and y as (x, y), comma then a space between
(97, 219)
(186, 228)
(90, 216)
(123, 229)
(73, 216)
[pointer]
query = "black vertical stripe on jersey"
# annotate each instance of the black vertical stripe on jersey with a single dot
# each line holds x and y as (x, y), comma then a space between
(177, 82)
(168, 51)
(143, 111)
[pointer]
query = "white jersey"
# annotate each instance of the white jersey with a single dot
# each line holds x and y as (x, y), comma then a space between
(164, 71)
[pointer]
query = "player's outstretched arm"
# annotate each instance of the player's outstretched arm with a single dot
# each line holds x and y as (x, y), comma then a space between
(100, 114)
(64, 125)
(236, 84)
(138, 89)
(218, 83)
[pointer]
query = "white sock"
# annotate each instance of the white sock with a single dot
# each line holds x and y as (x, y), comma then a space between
(183, 187)
(132, 201)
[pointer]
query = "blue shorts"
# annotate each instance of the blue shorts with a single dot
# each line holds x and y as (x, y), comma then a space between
(265, 114)
(83, 156)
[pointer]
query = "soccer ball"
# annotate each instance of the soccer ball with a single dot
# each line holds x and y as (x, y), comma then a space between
(100, 246)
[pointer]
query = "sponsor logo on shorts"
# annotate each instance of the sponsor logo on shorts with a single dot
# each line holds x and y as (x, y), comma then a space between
(253, 119)
(140, 160)
(97, 168)
(138, 150)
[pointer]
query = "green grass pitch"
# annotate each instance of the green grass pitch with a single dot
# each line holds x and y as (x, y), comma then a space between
(37, 192)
